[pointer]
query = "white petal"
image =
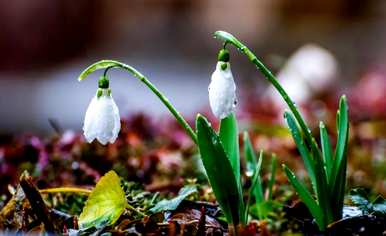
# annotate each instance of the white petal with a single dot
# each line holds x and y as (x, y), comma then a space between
(222, 91)
(102, 120)
(117, 123)
(89, 122)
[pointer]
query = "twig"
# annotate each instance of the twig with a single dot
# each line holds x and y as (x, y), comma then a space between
(37, 203)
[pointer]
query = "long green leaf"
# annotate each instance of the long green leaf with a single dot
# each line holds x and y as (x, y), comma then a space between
(326, 150)
(220, 172)
(249, 155)
(338, 175)
(307, 198)
(323, 193)
(229, 137)
(314, 166)
(342, 126)
(304, 152)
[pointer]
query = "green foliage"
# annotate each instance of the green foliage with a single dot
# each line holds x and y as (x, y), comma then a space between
(221, 159)
(105, 204)
(327, 174)
(229, 137)
(172, 204)
(220, 172)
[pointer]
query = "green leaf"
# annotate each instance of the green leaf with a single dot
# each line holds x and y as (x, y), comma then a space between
(338, 175)
(342, 126)
(172, 204)
(229, 137)
(105, 204)
(220, 172)
(249, 155)
(300, 144)
(326, 150)
(307, 198)
(314, 166)
(273, 176)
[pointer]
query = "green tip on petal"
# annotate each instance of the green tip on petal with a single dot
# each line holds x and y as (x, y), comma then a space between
(99, 93)
(223, 55)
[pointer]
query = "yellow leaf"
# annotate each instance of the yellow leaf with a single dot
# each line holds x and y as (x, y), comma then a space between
(105, 204)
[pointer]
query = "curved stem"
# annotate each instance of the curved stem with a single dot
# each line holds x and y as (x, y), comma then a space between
(66, 190)
(229, 38)
(107, 64)
(106, 70)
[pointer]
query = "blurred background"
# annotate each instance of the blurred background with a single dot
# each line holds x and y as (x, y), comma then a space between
(45, 45)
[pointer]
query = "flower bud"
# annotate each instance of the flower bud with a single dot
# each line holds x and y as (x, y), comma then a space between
(102, 121)
(222, 88)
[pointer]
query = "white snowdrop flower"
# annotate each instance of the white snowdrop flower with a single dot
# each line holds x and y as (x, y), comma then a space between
(310, 70)
(222, 88)
(102, 121)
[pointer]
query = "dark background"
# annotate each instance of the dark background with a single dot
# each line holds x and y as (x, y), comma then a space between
(45, 44)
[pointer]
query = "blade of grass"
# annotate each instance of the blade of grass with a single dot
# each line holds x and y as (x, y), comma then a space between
(273, 176)
(326, 150)
(306, 197)
(229, 137)
(220, 172)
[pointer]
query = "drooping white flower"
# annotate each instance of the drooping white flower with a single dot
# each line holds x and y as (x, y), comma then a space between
(102, 121)
(310, 70)
(222, 91)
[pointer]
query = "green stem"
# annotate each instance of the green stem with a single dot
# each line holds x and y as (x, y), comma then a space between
(108, 64)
